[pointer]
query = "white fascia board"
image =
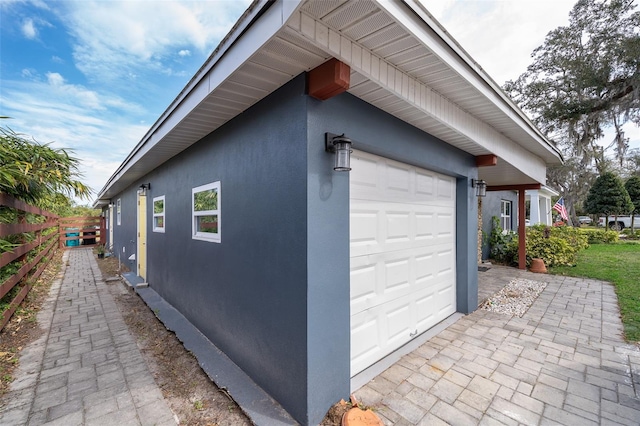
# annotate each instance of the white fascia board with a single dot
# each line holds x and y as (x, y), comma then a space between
(246, 41)
(550, 192)
(416, 93)
(450, 52)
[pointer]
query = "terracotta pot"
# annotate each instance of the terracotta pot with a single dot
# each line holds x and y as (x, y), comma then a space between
(359, 417)
(537, 265)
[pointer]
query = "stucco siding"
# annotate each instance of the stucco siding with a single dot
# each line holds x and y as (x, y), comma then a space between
(124, 235)
(491, 205)
(247, 294)
(274, 294)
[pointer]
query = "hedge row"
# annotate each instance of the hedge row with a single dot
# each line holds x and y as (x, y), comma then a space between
(557, 245)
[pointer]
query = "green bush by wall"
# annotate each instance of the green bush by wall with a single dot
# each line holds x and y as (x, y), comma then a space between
(557, 245)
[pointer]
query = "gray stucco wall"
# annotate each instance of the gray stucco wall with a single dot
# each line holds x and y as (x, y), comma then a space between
(124, 235)
(274, 294)
(491, 205)
(247, 294)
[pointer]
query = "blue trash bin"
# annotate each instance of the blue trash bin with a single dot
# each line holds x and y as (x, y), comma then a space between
(75, 242)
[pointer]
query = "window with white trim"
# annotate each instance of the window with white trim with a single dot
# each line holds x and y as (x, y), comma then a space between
(205, 208)
(119, 211)
(158, 214)
(505, 215)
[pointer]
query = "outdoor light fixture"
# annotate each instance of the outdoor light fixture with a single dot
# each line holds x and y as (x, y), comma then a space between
(341, 146)
(480, 186)
(142, 190)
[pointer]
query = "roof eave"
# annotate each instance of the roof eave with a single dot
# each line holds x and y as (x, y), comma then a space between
(478, 77)
(253, 12)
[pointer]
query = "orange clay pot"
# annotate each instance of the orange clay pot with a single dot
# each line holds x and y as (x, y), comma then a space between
(359, 417)
(537, 265)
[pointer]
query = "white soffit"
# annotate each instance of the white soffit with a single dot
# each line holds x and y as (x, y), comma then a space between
(394, 70)
(385, 43)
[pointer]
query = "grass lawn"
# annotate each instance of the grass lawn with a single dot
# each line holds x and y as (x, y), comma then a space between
(617, 263)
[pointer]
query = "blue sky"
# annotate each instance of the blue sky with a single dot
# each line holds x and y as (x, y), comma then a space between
(93, 76)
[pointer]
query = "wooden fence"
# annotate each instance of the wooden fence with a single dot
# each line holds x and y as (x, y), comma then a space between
(81, 231)
(35, 239)
(35, 245)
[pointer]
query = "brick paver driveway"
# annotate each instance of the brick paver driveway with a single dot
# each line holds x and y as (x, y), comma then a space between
(563, 362)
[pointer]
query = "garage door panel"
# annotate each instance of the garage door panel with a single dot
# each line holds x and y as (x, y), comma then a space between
(380, 330)
(398, 180)
(425, 182)
(398, 225)
(397, 274)
(398, 318)
(446, 262)
(364, 225)
(424, 301)
(381, 227)
(365, 337)
(402, 254)
(446, 188)
(382, 179)
(363, 286)
(425, 265)
(380, 278)
(444, 224)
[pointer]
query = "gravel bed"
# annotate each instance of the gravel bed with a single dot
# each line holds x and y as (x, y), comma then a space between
(515, 298)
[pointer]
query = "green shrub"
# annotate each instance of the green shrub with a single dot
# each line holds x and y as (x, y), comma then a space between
(601, 236)
(502, 243)
(628, 235)
(557, 245)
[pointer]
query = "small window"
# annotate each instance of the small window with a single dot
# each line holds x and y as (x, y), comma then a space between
(119, 211)
(205, 204)
(505, 215)
(158, 214)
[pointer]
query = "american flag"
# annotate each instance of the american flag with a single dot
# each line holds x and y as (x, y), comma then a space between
(560, 208)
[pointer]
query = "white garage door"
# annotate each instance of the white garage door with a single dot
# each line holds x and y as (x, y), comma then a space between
(402, 254)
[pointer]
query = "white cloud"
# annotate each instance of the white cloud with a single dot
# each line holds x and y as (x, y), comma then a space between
(57, 59)
(29, 30)
(501, 35)
(29, 73)
(55, 79)
(184, 52)
(114, 39)
(58, 114)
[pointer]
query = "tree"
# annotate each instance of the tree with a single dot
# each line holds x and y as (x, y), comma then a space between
(585, 77)
(633, 189)
(36, 173)
(608, 196)
(573, 180)
(632, 163)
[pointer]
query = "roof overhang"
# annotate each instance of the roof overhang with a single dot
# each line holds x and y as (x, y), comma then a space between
(402, 61)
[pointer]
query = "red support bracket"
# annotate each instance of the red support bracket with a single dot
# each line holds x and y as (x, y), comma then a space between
(329, 79)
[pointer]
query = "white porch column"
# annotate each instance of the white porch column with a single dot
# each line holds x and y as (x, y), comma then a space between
(534, 203)
(546, 211)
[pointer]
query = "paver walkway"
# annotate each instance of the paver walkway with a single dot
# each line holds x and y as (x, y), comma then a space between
(86, 369)
(563, 362)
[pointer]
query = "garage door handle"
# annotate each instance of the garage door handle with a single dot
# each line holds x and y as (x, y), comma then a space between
(413, 334)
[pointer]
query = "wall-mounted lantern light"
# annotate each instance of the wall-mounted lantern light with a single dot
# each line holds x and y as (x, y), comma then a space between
(480, 186)
(142, 190)
(341, 146)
